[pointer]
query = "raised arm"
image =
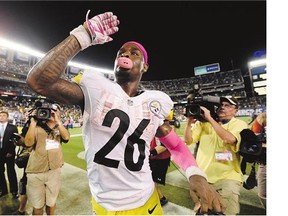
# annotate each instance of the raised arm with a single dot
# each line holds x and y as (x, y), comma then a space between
(44, 77)
(224, 134)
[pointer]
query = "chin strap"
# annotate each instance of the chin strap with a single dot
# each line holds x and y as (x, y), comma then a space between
(181, 155)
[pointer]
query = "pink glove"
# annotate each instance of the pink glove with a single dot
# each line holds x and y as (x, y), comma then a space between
(100, 28)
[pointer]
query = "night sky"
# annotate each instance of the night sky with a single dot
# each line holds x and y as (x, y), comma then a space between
(178, 35)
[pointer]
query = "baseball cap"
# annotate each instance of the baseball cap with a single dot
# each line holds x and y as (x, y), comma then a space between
(230, 100)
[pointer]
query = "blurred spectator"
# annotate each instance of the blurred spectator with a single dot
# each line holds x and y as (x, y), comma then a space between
(7, 156)
(159, 162)
(259, 128)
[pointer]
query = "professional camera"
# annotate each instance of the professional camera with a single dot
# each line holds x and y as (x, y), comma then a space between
(252, 151)
(195, 100)
(261, 137)
(251, 145)
(42, 113)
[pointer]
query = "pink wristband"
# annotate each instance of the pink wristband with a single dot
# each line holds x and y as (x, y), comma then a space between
(180, 153)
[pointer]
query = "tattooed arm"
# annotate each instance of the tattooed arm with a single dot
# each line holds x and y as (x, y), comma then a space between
(44, 77)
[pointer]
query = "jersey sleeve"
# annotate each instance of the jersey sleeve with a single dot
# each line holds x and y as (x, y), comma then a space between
(170, 116)
(78, 77)
(166, 104)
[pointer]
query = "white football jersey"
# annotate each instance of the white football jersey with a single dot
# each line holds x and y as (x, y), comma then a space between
(117, 131)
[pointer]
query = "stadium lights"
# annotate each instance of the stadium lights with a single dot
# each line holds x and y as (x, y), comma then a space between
(256, 63)
(21, 48)
(87, 67)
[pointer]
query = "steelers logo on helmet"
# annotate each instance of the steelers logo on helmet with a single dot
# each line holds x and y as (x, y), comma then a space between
(155, 107)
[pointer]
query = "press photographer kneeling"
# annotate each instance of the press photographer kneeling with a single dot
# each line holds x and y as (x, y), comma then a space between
(46, 133)
(219, 141)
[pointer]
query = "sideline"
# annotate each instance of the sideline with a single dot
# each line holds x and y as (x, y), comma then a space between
(74, 197)
(76, 135)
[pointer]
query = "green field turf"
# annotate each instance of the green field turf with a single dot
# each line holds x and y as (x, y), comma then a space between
(75, 146)
(175, 194)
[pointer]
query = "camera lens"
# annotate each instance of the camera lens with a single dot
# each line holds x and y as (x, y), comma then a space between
(253, 148)
(194, 110)
(43, 113)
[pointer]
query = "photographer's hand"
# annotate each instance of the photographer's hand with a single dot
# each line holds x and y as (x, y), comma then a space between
(188, 132)
(56, 115)
(207, 113)
(64, 133)
(224, 134)
(30, 137)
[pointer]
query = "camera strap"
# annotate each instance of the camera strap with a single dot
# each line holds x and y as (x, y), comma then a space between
(19, 151)
(22, 149)
(47, 129)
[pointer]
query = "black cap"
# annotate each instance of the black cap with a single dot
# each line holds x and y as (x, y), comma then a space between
(230, 100)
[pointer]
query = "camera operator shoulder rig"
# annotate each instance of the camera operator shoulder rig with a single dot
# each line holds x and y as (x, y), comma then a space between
(195, 100)
(43, 113)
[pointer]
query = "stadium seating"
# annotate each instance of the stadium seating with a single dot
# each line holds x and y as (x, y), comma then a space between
(16, 95)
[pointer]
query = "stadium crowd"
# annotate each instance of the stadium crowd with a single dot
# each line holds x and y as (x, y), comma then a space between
(18, 106)
(13, 74)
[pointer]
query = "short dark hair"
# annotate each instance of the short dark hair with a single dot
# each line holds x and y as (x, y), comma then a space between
(4, 112)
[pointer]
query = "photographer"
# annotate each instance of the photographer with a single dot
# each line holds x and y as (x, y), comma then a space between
(258, 126)
(46, 159)
(217, 155)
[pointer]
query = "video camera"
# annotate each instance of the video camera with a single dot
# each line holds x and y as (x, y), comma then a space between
(42, 113)
(251, 145)
(252, 151)
(195, 100)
